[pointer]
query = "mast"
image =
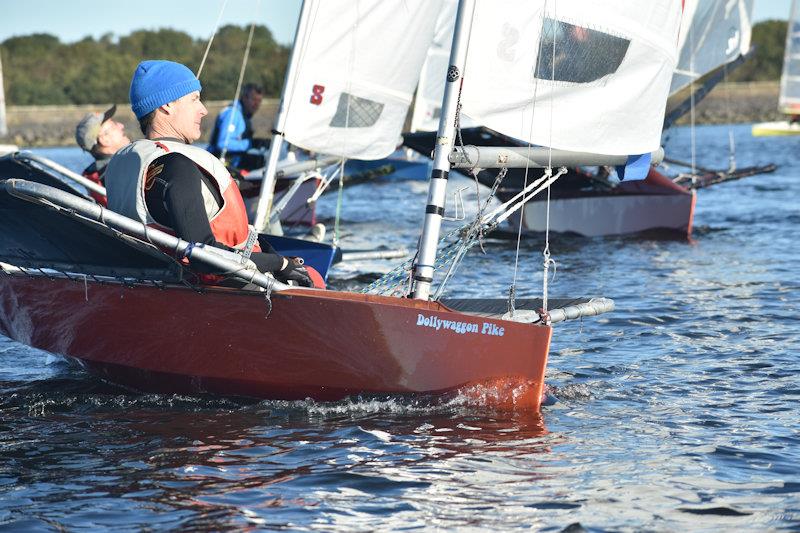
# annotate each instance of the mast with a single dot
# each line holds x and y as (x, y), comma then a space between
(426, 255)
(268, 183)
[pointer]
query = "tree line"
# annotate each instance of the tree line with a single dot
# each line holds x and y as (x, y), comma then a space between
(41, 70)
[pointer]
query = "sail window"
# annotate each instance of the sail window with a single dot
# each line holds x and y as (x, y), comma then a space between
(355, 112)
(581, 55)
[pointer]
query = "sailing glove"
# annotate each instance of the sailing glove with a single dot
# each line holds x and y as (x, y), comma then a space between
(294, 273)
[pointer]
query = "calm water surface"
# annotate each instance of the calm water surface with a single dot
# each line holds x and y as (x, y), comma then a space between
(677, 411)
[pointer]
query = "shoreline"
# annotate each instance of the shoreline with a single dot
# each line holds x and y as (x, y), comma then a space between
(37, 126)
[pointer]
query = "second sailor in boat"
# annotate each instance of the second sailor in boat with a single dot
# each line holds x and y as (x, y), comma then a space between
(102, 138)
(166, 182)
(232, 137)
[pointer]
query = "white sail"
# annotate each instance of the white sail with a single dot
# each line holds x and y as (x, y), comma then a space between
(789, 100)
(717, 32)
(428, 100)
(584, 76)
(359, 66)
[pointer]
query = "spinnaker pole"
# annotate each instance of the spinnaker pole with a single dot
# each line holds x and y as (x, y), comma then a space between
(268, 184)
(437, 188)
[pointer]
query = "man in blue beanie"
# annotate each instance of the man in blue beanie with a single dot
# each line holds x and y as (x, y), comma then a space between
(165, 182)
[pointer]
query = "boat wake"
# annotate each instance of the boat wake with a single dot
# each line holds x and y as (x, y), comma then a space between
(84, 394)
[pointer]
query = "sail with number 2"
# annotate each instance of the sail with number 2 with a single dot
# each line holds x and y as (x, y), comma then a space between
(581, 76)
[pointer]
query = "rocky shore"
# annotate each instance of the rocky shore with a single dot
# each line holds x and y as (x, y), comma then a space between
(55, 125)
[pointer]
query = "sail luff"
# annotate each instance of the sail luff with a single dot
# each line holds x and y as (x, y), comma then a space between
(268, 184)
(445, 140)
(720, 32)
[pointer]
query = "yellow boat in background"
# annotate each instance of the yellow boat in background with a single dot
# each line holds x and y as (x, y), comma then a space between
(781, 127)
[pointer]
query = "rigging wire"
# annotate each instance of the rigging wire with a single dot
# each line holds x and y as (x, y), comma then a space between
(731, 141)
(467, 235)
(513, 287)
(211, 39)
(546, 252)
(348, 87)
(692, 104)
(239, 86)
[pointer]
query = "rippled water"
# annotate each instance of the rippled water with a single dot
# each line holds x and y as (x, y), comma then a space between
(677, 411)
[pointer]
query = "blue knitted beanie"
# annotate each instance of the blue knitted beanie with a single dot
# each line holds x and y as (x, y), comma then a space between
(159, 82)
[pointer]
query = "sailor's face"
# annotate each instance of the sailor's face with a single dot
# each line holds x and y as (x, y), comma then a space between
(189, 113)
(112, 135)
(251, 102)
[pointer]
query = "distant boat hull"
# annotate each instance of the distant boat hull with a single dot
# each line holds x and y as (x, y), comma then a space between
(298, 210)
(310, 344)
(770, 129)
(654, 204)
(402, 164)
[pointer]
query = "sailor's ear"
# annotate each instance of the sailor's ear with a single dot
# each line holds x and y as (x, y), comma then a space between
(168, 108)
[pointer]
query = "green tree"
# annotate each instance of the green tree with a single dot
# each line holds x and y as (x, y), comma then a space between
(766, 62)
(40, 70)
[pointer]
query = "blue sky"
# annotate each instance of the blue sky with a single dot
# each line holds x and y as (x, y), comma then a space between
(71, 20)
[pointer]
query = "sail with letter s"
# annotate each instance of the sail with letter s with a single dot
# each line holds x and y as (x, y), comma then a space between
(359, 65)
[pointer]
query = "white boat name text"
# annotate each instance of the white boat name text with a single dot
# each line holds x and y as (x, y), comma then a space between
(459, 327)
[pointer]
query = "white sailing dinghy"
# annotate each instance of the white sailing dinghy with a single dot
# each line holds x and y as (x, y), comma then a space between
(789, 98)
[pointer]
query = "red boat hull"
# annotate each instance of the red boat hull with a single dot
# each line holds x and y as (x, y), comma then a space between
(317, 344)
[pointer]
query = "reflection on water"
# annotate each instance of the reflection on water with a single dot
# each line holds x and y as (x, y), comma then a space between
(677, 411)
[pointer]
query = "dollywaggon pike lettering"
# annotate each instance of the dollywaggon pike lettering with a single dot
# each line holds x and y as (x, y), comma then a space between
(459, 327)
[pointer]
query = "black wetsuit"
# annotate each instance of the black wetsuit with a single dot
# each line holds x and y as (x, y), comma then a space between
(175, 200)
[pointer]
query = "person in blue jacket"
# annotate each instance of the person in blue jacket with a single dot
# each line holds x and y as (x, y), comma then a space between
(233, 132)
